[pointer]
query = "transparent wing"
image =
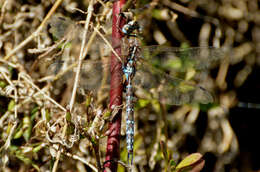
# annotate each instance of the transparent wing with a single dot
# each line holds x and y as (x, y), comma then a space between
(94, 74)
(161, 69)
(170, 90)
(180, 59)
(151, 73)
(62, 27)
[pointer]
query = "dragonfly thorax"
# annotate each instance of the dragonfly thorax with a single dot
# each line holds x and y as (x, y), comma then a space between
(130, 27)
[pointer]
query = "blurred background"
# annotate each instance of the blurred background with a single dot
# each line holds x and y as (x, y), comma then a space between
(222, 131)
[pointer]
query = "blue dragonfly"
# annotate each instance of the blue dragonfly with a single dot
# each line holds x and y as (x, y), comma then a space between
(164, 72)
(159, 71)
(157, 67)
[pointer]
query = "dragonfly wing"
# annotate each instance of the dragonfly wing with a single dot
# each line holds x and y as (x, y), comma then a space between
(64, 27)
(179, 59)
(183, 94)
(171, 90)
(93, 73)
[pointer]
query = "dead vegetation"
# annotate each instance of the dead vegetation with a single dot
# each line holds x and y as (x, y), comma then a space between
(49, 122)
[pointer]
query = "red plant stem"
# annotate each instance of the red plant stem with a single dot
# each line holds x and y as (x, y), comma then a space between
(116, 90)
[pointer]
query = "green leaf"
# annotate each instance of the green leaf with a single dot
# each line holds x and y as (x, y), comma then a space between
(37, 148)
(11, 105)
(68, 116)
(10, 125)
(19, 132)
(34, 113)
(47, 115)
(70, 128)
(27, 128)
(93, 140)
(156, 105)
(2, 84)
(26, 160)
(142, 103)
(88, 101)
(67, 45)
(189, 161)
(172, 163)
(107, 114)
(35, 110)
(13, 148)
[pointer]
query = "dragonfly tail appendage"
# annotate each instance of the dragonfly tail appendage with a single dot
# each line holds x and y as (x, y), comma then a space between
(130, 157)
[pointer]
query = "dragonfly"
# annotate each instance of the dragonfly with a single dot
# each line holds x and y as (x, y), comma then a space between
(151, 72)
(158, 70)
(147, 69)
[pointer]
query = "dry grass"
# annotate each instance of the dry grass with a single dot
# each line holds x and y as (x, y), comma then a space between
(49, 121)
